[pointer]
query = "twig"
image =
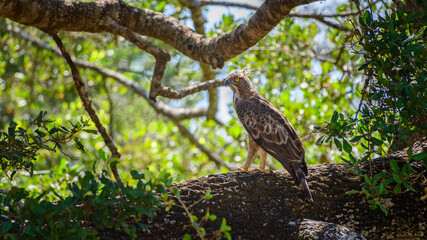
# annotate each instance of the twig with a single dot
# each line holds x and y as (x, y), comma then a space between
(111, 109)
(319, 17)
(194, 224)
(84, 96)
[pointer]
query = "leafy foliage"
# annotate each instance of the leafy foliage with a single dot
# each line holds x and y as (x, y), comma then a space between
(394, 102)
(19, 148)
(95, 203)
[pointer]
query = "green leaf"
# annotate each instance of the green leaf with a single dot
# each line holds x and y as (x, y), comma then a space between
(187, 237)
(212, 217)
(136, 175)
(419, 156)
(396, 178)
(6, 226)
(376, 141)
(394, 166)
(317, 127)
(409, 187)
(368, 179)
(367, 17)
(334, 117)
(338, 144)
(352, 192)
(381, 188)
(53, 130)
(224, 227)
(384, 209)
(91, 131)
(102, 155)
(397, 188)
(355, 139)
(208, 195)
(366, 192)
(79, 145)
(320, 140)
(347, 147)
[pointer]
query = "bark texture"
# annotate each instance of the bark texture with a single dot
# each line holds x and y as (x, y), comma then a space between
(269, 206)
(53, 16)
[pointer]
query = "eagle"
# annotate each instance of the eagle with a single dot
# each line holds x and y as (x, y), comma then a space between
(269, 131)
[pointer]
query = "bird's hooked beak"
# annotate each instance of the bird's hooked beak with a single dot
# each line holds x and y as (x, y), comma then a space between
(227, 82)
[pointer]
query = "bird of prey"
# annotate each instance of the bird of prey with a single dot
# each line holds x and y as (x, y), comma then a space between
(269, 131)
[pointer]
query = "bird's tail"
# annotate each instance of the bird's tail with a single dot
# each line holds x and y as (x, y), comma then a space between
(302, 181)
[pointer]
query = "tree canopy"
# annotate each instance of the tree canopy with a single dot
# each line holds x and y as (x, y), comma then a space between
(123, 97)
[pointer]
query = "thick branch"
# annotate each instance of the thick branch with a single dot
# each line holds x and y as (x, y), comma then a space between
(87, 103)
(53, 16)
(270, 206)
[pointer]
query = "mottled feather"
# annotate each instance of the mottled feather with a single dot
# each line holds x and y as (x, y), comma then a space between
(269, 128)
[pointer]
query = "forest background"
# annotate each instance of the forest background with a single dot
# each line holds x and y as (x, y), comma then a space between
(318, 66)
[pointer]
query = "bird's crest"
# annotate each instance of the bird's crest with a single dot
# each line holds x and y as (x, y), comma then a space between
(246, 71)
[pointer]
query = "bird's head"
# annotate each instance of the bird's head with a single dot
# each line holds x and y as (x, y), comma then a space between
(238, 81)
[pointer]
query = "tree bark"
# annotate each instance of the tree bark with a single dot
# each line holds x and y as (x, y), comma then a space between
(270, 206)
(53, 15)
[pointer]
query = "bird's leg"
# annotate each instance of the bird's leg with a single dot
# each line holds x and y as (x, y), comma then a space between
(252, 151)
(262, 160)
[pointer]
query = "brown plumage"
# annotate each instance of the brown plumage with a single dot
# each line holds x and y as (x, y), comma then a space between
(269, 130)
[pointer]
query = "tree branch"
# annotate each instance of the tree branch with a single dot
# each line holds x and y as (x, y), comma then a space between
(87, 103)
(291, 14)
(178, 94)
(53, 16)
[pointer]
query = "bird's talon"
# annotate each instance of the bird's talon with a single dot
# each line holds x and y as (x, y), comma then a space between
(246, 170)
(265, 171)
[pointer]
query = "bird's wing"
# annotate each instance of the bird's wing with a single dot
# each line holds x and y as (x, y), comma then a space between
(271, 130)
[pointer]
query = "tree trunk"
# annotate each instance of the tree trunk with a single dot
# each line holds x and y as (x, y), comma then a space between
(270, 206)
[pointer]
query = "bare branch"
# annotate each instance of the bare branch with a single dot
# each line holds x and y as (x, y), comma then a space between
(87, 103)
(178, 94)
(291, 14)
(229, 4)
(319, 17)
(333, 25)
(302, 54)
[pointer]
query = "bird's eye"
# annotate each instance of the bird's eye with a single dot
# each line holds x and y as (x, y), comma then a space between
(237, 79)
